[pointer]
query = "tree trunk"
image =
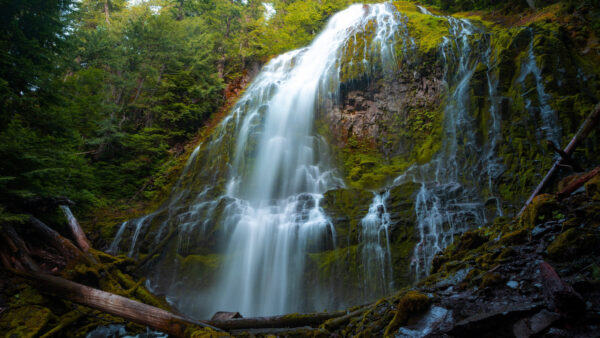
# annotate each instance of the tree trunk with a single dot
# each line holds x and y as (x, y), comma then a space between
(67, 249)
(337, 322)
(19, 248)
(78, 233)
(153, 317)
(285, 321)
(106, 12)
(586, 127)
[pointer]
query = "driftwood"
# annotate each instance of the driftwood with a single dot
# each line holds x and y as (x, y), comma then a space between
(78, 234)
(586, 127)
(131, 310)
(577, 183)
(558, 294)
(286, 321)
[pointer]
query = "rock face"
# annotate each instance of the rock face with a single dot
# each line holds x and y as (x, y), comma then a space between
(384, 105)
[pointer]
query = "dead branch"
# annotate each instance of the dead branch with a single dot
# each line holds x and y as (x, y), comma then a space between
(586, 127)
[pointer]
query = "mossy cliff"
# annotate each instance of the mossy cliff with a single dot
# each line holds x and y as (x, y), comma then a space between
(527, 81)
(488, 282)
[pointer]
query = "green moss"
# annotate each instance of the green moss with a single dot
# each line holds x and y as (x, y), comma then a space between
(491, 279)
(345, 259)
(409, 305)
(572, 244)
(202, 267)
(541, 208)
(25, 321)
(592, 188)
(516, 237)
(346, 207)
(430, 30)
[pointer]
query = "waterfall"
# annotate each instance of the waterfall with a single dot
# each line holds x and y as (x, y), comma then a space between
(276, 217)
(550, 128)
(254, 188)
(376, 254)
(444, 204)
(251, 193)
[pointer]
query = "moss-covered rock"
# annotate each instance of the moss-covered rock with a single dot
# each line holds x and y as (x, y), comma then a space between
(592, 188)
(541, 208)
(573, 243)
(25, 321)
(411, 304)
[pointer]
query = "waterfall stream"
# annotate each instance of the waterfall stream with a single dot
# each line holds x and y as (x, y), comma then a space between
(266, 170)
(249, 198)
(376, 255)
(445, 205)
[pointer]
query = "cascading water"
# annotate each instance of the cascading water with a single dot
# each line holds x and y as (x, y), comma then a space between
(265, 170)
(550, 128)
(445, 205)
(247, 207)
(376, 254)
(276, 216)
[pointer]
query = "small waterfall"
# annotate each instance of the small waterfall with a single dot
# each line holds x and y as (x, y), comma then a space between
(550, 128)
(376, 254)
(114, 246)
(445, 205)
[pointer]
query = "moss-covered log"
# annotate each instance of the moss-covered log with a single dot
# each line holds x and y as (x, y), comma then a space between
(134, 311)
(285, 321)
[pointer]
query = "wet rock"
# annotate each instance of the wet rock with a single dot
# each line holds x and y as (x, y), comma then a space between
(558, 294)
(498, 321)
(540, 230)
(539, 322)
(436, 319)
(512, 284)
(455, 279)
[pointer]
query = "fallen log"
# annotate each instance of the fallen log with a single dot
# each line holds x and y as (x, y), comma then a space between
(153, 317)
(586, 127)
(78, 234)
(337, 322)
(577, 183)
(285, 321)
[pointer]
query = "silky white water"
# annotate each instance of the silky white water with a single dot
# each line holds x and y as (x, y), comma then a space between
(266, 170)
(275, 216)
(375, 252)
(445, 205)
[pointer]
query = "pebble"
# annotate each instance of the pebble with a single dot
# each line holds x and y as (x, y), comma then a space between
(512, 284)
